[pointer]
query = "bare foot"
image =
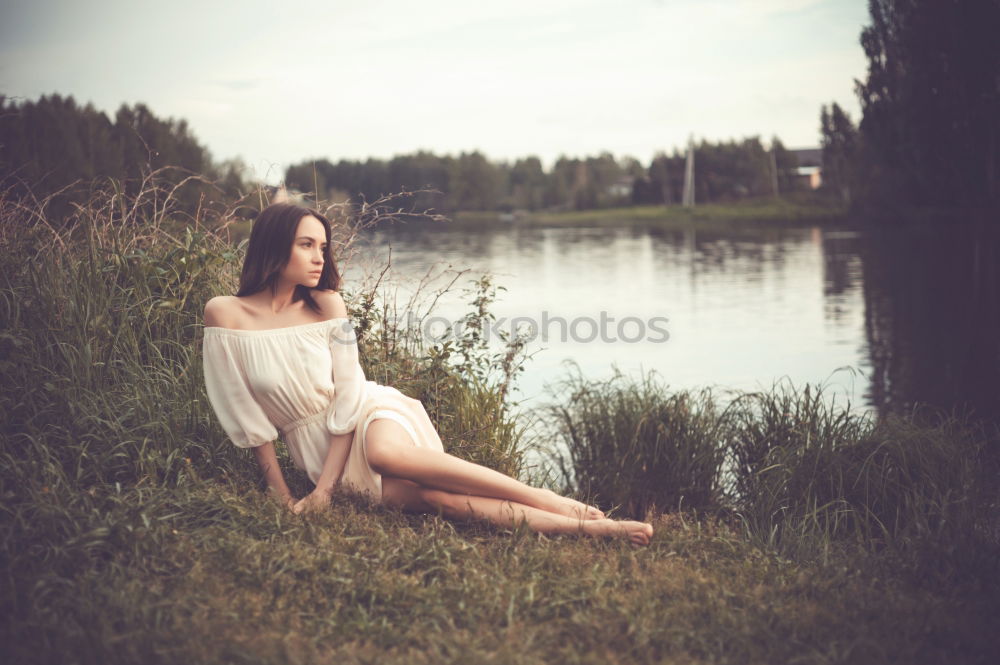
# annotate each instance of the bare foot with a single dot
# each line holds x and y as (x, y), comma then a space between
(638, 533)
(562, 505)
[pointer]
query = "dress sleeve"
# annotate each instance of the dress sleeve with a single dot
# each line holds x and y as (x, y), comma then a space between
(349, 383)
(241, 416)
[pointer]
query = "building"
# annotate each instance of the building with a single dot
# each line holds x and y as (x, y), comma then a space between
(809, 172)
(622, 187)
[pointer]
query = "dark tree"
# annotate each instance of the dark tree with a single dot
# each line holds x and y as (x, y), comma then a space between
(53, 145)
(527, 182)
(839, 141)
(931, 101)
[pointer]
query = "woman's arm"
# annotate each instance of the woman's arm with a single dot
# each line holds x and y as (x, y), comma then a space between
(333, 465)
(268, 462)
(243, 419)
(347, 399)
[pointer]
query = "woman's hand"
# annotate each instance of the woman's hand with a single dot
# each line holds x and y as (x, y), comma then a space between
(284, 498)
(316, 501)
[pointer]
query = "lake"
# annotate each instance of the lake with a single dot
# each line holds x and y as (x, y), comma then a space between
(881, 318)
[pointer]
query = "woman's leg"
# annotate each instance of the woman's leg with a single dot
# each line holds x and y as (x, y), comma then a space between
(391, 451)
(408, 495)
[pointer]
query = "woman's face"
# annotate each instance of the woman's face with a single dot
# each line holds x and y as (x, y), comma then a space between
(305, 261)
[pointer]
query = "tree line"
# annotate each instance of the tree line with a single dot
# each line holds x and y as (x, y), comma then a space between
(54, 147)
(724, 171)
(52, 143)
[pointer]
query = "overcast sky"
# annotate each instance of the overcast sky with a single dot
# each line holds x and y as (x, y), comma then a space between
(279, 82)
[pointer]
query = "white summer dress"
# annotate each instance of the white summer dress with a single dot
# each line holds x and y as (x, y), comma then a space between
(305, 382)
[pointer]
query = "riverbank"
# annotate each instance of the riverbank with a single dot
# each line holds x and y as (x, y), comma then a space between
(783, 212)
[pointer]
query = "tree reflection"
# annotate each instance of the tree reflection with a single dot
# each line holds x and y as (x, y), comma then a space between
(932, 318)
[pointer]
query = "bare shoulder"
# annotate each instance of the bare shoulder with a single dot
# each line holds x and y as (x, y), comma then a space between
(331, 303)
(220, 311)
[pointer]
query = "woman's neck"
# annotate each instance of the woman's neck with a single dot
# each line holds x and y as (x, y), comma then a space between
(279, 301)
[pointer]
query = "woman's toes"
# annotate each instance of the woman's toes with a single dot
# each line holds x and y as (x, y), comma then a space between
(639, 533)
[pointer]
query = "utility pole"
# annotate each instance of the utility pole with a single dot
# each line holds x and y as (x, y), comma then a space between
(688, 198)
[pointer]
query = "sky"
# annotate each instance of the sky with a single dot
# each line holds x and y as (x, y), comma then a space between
(278, 83)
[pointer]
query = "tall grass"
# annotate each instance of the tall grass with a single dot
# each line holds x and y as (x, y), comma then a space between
(799, 475)
(634, 445)
(774, 441)
(811, 476)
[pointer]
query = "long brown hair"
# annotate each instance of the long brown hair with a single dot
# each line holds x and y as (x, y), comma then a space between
(270, 247)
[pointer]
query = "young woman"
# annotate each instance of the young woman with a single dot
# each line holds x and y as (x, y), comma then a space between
(281, 356)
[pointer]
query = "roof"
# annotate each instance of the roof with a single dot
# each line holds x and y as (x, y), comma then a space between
(808, 156)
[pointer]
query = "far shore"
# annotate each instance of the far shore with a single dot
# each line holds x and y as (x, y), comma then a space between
(748, 216)
(771, 211)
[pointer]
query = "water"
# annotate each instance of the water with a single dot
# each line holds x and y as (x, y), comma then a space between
(881, 318)
(701, 309)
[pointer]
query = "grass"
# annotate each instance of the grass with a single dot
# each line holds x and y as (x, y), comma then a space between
(211, 572)
(131, 530)
(791, 210)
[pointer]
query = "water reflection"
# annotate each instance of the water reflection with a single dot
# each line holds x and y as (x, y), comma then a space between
(932, 321)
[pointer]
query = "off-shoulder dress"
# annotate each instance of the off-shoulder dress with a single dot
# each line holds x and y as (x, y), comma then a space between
(305, 382)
